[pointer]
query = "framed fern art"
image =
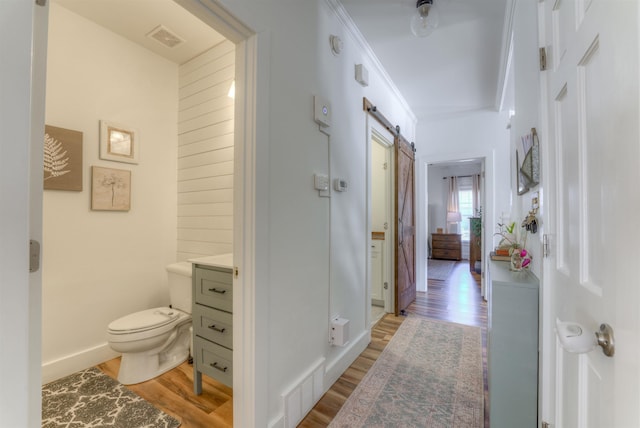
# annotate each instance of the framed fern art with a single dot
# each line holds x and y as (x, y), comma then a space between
(62, 159)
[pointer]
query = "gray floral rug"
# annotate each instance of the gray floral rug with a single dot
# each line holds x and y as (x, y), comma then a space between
(90, 398)
(429, 375)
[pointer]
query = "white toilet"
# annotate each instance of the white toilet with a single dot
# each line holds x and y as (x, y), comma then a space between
(155, 340)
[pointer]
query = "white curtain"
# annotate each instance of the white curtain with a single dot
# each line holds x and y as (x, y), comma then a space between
(475, 194)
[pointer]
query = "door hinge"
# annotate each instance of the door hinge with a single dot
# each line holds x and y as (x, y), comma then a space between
(41, 2)
(236, 272)
(545, 425)
(385, 166)
(543, 59)
(34, 256)
(545, 246)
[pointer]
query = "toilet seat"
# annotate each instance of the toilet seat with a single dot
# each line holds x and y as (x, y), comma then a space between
(143, 324)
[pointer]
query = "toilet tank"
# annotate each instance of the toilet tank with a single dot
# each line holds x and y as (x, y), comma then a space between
(179, 277)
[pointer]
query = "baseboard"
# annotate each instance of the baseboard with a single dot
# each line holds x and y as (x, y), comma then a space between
(69, 364)
(344, 359)
(333, 371)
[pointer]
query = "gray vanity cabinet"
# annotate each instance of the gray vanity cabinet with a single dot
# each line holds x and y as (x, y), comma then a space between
(212, 324)
(512, 347)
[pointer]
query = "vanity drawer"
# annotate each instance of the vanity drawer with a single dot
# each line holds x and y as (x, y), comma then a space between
(213, 325)
(215, 361)
(214, 288)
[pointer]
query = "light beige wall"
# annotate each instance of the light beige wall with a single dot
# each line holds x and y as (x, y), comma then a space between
(205, 154)
(101, 265)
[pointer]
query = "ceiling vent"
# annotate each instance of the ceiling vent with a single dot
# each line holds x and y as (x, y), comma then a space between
(165, 36)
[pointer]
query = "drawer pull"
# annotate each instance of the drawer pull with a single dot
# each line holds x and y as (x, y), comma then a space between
(220, 330)
(215, 290)
(216, 366)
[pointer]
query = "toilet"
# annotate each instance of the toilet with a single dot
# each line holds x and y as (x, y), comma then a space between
(155, 340)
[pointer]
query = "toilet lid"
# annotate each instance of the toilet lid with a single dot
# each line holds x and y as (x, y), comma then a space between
(144, 320)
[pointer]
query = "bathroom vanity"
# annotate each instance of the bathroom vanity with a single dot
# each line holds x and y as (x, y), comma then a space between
(212, 319)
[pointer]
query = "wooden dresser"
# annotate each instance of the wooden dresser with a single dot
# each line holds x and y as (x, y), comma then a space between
(446, 246)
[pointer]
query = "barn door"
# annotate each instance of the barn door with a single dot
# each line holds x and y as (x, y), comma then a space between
(405, 237)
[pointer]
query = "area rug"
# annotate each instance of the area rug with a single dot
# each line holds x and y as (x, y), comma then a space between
(429, 375)
(90, 398)
(439, 269)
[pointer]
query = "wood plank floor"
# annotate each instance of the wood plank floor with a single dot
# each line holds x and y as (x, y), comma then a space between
(456, 299)
(172, 393)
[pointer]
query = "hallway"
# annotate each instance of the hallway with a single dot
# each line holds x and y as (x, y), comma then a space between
(456, 299)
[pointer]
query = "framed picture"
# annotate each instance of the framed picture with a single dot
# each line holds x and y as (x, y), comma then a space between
(118, 143)
(110, 189)
(528, 172)
(520, 178)
(62, 159)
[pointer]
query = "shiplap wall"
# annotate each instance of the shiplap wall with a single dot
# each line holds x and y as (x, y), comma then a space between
(205, 154)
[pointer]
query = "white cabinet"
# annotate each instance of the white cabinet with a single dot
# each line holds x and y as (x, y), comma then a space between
(377, 259)
(512, 347)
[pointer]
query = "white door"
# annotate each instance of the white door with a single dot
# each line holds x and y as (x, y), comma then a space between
(23, 25)
(592, 201)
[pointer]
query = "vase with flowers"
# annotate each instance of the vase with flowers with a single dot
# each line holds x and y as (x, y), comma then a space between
(514, 243)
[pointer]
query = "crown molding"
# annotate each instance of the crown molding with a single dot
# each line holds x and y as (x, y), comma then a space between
(506, 54)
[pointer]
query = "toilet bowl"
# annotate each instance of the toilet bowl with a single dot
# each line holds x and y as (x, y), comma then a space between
(155, 340)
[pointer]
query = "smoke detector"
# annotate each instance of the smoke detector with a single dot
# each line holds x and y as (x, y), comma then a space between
(165, 36)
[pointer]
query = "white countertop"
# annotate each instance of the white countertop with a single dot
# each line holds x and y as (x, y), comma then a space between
(221, 261)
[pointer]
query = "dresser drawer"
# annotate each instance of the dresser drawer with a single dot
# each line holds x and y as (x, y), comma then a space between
(214, 288)
(213, 325)
(446, 254)
(447, 245)
(214, 360)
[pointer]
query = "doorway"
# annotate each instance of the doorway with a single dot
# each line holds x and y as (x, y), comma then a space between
(439, 183)
(382, 261)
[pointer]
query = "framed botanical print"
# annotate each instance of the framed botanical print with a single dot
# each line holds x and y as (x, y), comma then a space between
(110, 189)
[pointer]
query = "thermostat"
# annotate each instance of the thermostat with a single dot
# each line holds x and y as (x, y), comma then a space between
(322, 111)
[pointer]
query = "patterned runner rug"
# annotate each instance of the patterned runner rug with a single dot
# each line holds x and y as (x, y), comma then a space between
(429, 375)
(439, 269)
(90, 398)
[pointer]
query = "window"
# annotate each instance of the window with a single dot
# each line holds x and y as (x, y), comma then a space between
(465, 205)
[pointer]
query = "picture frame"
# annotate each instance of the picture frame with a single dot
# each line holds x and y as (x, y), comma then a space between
(528, 172)
(521, 181)
(119, 143)
(110, 189)
(62, 166)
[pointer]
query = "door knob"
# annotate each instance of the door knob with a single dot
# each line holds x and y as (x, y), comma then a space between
(576, 338)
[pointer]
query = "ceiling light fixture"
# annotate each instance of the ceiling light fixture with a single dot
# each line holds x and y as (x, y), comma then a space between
(425, 19)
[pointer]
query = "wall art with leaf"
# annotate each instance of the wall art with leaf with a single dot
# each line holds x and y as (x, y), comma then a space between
(62, 159)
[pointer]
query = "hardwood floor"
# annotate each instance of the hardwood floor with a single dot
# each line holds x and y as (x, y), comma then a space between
(456, 299)
(172, 393)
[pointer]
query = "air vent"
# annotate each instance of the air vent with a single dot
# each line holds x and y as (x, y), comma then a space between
(165, 36)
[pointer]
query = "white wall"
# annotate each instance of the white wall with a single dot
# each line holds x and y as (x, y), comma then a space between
(526, 106)
(205, 154)
(100, 265)
(480, 134)
(313, 250)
